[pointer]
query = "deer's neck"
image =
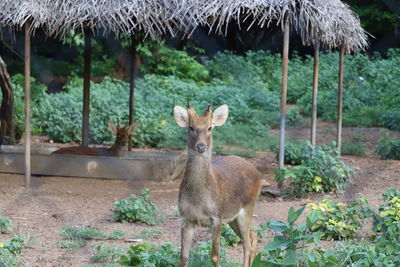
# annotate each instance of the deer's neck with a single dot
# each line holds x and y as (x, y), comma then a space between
(198, 170)
(117, 150)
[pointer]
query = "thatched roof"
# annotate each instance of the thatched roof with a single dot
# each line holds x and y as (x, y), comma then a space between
(330, 22)
(56, 17)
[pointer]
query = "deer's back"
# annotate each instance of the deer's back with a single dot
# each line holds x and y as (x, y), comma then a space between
(84, 151)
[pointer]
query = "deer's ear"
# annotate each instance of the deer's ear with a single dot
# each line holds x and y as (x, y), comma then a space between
(220, 115)
(112, 128)
(132, 128)
(181, 116)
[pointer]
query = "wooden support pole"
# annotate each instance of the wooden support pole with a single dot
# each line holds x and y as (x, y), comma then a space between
(314, 96)
(27, 106)
(340, 100)
(285, 62)
(132, 86)
(86, 87)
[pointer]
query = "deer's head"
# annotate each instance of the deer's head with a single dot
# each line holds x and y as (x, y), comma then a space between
(122, 133)
(200, 126)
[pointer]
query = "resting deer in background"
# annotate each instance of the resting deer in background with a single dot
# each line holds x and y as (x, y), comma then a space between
(116, 150)
(214, 192)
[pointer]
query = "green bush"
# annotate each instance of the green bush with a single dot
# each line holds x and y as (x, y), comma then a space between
(5, 224)
(320, 171)
(355, 147)
(295, 153)
(9, 251)
(105, 253)
(167, 255)
(137, 209)
(339, 220)
(388, 148)
(76, 237)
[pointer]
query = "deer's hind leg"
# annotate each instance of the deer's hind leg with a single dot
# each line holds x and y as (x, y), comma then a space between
(242, 227)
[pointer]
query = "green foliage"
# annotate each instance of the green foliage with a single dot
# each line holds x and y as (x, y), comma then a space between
(137, 209)
(116, 234)
(229, 237)
(355, 147)
(150, 234)
(339, 220)
(5, 224)
(9, 251)
(178, 63)
(371, 96)
(295, 153)
(387, 147)
(320, 171)
(76, 237)
(301, 247)
(106, 253)
(167, 255)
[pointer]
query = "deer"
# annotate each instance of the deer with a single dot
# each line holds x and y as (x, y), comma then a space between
(214, 192)
(116, 150)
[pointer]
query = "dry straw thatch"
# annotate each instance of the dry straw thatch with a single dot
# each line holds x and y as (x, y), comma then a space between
(327, 21)
(330, 22)
(57, 17)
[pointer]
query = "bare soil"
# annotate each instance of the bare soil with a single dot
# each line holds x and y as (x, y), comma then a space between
(57, 202)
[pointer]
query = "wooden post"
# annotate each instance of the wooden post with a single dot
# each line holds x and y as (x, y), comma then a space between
(314, 96)
(27, 106)
(285, 62)
(340, 100)
(131, 87)
(86, 87)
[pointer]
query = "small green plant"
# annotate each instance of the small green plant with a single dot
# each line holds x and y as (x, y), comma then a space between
(106, 253)
(5, 224)
(293, 117)
(137, 209)
(9, 250)
(387, 147)
(167, 255)
(321, 171)
(295, 153)
(339, 220)
(229, 237)
(77, 236)
(389, 220)
(149, 234)
(355, 147)
(116, 234)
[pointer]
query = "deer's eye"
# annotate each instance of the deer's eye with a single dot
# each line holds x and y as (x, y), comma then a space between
(191, 128)
(209, 129)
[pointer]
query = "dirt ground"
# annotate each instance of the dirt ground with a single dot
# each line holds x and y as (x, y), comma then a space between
(57, 202)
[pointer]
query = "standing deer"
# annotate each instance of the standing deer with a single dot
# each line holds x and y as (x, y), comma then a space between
(116, 150)
(214, 192)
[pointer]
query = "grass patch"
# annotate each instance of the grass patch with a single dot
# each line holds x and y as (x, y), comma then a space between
(76, 237)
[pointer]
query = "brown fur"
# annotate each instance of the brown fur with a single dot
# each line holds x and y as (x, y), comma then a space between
(116, 150)
(213, 192)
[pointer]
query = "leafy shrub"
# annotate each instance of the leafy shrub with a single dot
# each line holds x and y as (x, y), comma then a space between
(9, 251)
(77, 236)
(339, 220)
(116, 234)
(355, 147)
(295, 153)
(322, 171)
(229, 237)
(5, 224)
(106, 253)
(167, 255)
(137, 209)
(388, 148)
(389, 220)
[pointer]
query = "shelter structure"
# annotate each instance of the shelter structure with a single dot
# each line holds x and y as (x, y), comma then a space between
(58, 17)
(329, 24)
(320, 23)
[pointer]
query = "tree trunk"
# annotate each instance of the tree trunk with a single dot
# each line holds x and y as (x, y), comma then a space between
(6, 108)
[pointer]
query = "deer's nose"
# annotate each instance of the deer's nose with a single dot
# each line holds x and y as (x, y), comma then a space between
(201, 147)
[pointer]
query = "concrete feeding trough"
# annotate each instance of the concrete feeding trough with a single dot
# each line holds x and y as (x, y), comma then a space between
(135, 165)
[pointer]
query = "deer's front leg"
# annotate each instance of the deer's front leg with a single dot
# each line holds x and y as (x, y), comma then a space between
(187, 233)
(216, 240)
